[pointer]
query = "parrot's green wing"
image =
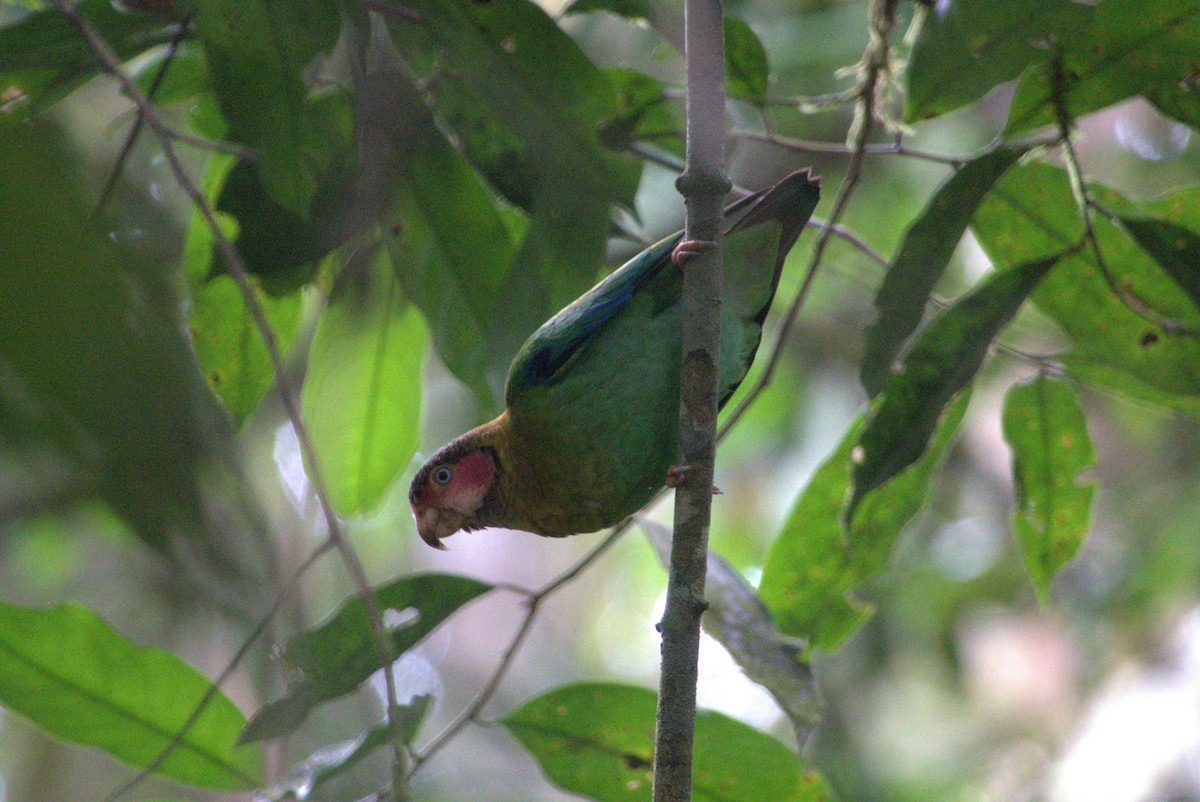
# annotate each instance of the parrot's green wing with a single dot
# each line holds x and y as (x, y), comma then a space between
(764, 227)
(593, 395)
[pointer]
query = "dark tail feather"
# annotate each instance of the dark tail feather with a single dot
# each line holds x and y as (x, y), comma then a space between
(791, 203)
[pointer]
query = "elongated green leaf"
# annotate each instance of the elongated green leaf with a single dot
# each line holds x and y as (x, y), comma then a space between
(1131, 47)
(1031, 214)
(333, 761)
(451, 249)
(922, 259)
(93, 353)
(746, 68)
(256, 51)
(362, 393)
(43, 58)
(815, 563)
(738, 620)
(944, 360)
(597, 740)
(968, 47)
(73, 676)
(645, 115)
(526, 107)
(231, 350)
(341, 653)
(1174, 247)
(523, 99)
(1048, 434)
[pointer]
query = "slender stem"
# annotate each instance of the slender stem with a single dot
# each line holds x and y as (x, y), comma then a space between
(704, 186)
(287, 395)
(533, 603)
(811, 146)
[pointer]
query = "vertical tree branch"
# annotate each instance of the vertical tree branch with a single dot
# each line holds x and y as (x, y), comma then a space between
(704, 186)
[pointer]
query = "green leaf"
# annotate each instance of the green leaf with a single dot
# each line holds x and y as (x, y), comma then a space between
(362, 393)
(968, 47)
(283, 245)
(922, 259)
(256, 51)
(1032, 213)
(43, 58)
(597, 740)
(645, 114)
(1046, 429)
(524, 101)
(944, 359)
(1132, 47)
(450, 246)
(333, 761)
(75, 677)
(526, 108)
(343, 652)
(92, 352)
(814, 564)
(746, 68)
(1174, 247)
(737, 619)
(226, 337)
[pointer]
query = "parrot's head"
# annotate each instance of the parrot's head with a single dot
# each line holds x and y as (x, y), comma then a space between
(449, 490)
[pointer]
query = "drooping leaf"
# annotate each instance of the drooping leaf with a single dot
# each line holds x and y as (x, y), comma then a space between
(943, 360)
(922, 259)
(746, 68)
(597, 740)
(814, 564)
(337, 656)
(256, 51)
(1046, 429)
(738, 620)
(43, 57)
(362, 393)
(75, 677)
(1174, 247)
(1032, 213)
(281, 244)
(968, 47)
(332, 761)
(526, 107)
(450, 246)
(1131, 47)
(524, 101)
(93, 355)
(228, 343)
(645, 114)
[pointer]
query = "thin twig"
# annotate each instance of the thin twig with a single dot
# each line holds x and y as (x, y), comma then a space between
(210, 693)
(533, 603)
(875, 62)
(237, 270)
(1087, 205)
(813, 146)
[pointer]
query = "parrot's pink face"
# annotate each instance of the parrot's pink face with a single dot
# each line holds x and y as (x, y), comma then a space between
(448, 491)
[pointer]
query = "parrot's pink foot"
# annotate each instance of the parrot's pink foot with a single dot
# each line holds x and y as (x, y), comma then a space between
(677, 473)
(689, 249)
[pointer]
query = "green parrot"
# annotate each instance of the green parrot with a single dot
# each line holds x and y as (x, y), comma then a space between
(589, 431)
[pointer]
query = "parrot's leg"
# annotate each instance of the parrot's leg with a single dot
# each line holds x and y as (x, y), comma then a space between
(677, 473)
(689, 249)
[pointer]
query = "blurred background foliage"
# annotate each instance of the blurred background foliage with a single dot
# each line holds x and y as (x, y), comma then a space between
(413, 188)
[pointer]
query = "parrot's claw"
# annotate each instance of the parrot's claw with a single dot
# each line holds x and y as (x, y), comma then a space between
(689, 249)
(677, 473)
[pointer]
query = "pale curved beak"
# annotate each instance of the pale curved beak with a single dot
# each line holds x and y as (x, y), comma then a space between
(436, 523)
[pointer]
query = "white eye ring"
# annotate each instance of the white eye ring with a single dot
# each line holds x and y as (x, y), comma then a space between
(442, 475)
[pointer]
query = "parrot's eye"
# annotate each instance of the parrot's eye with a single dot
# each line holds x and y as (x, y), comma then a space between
(442, 475)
